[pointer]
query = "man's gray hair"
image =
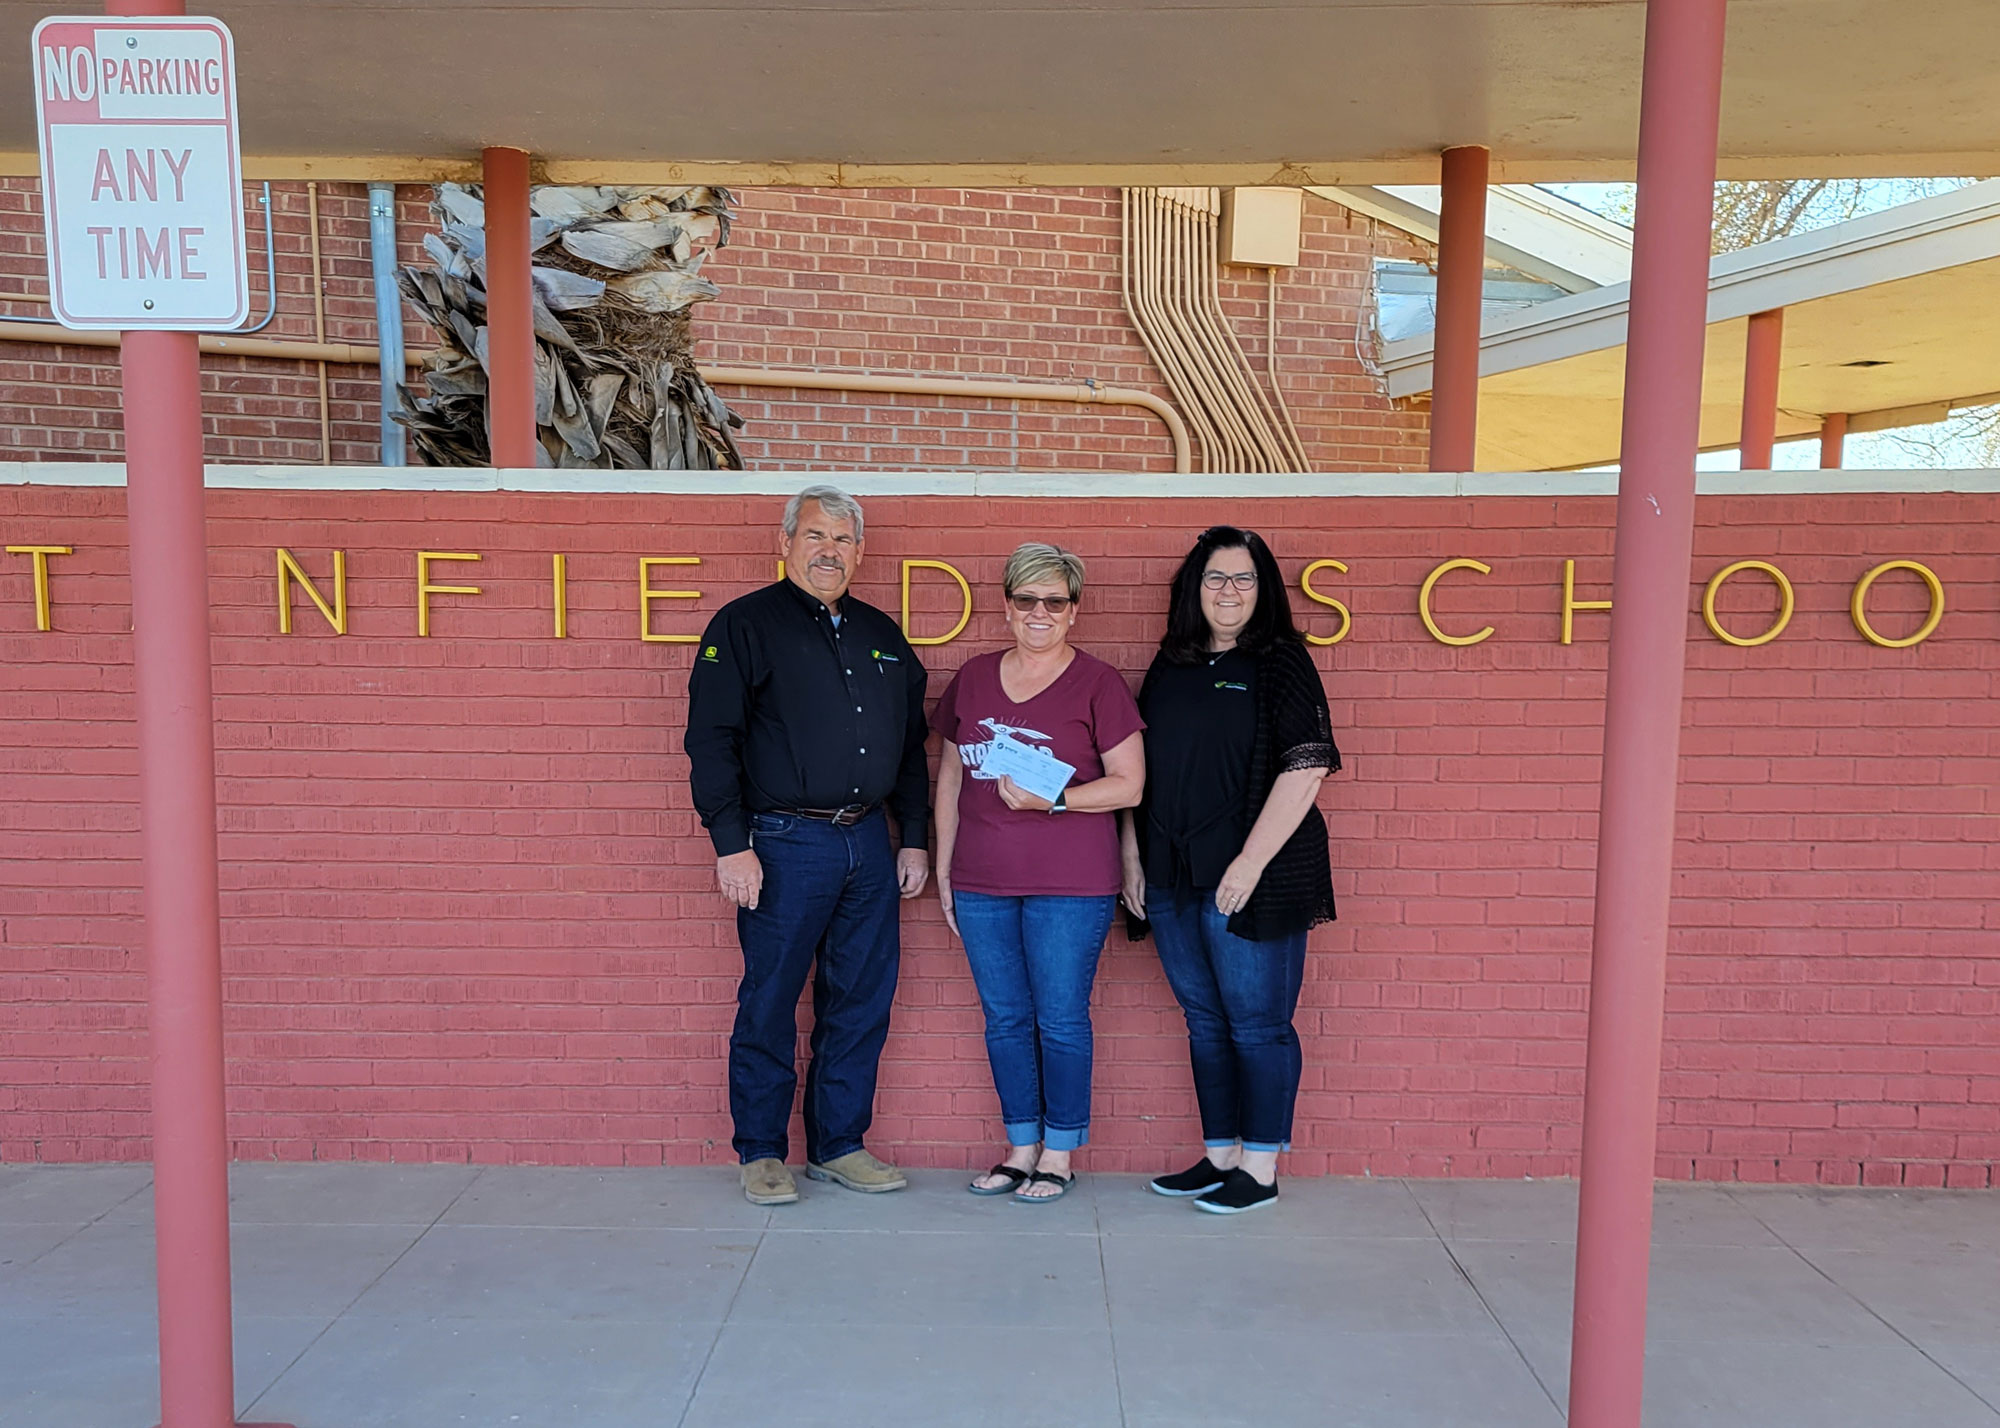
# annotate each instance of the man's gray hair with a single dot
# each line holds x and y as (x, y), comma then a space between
(838, 505)
(1037, 561)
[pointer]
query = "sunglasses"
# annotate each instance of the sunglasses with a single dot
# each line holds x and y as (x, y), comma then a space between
(1054, 604)
(1242, 579)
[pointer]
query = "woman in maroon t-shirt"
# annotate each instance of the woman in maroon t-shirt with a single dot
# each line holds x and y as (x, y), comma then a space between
(1029, 883)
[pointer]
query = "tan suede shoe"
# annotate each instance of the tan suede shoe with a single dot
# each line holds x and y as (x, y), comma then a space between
(858, 1170)
(767, 1182)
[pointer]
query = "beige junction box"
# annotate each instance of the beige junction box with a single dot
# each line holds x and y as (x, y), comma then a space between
(1260, 226)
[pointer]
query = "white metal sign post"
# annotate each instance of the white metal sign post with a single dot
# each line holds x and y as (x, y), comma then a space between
(141, 172)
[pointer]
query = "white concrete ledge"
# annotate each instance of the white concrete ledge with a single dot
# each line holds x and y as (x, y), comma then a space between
(1007, 483)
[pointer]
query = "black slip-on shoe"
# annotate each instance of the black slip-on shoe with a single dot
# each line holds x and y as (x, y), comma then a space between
(1197, 1179)
(1239, 1191)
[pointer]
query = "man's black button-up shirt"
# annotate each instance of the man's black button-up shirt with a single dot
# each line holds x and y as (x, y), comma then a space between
(788, 710)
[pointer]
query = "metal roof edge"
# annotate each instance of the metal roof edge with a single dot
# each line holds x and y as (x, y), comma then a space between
(1932, 234)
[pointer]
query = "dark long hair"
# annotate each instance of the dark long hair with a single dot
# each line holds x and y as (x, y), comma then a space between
(1186, 640)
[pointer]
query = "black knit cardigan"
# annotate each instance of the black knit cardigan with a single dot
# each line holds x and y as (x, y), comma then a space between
(1293, 731)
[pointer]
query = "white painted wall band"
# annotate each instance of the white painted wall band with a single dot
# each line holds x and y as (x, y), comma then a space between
(1009, 483)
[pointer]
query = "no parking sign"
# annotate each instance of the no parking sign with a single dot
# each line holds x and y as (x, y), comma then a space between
(141, 172)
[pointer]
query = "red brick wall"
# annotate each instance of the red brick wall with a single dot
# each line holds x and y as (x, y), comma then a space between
(1024, 285)
(59, 401)
(1008, 284)
(467, 911)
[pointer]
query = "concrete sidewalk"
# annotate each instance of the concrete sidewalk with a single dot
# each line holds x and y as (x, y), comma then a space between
(556, 1298)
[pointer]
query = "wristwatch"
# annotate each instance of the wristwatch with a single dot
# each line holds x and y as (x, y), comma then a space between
(1061, 805)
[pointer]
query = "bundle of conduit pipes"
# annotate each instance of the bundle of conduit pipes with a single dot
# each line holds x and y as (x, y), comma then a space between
(1169, 262)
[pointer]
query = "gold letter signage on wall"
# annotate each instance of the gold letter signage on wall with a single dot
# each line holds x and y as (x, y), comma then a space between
(1785, 606)
(332, 605)
(1424, 601)
(1571, 604)
(1858, 606)
(289, 570)
(964, 595)
(647, 595)
(39, 556)
(425, 589)
(1306, 584)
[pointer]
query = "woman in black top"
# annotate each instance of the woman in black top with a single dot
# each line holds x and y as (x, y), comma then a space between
(1228, 856)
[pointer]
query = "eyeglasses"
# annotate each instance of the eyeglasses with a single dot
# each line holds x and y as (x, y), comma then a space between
(1054, 604)
(1242, 579)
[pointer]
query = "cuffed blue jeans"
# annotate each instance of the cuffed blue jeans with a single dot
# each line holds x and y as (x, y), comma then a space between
(830, 896)
(1034, 960)
(1239, 998)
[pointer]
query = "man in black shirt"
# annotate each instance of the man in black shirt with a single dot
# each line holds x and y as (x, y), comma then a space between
(806, 721)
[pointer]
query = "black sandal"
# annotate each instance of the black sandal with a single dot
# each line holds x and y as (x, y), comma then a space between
(1042, 1177)
(1014, 1176)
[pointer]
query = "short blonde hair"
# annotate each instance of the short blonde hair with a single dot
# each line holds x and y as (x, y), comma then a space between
(1035, 561)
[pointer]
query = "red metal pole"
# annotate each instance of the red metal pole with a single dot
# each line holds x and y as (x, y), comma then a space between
(165, 512)
(510, 352)
(1763, 349)
(165, 520)
(1460, 290)
(1832, 441)
(1678, 121)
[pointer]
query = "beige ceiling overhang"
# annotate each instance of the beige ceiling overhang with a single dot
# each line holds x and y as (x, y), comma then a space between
(888, 92)
(1888, 318)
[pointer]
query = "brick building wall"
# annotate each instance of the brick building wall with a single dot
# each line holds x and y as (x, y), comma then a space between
(60, 401)
(1004, 284)
(468, 912)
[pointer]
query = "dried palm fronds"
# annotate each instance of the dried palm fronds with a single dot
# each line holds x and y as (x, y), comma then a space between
(615, 270)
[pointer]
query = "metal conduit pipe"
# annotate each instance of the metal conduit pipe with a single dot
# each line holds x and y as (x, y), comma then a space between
(1160, 261)
(219, 343)
(1130, 217)
(1242, 373)
(1192, 259)
(1081, 393)
(388, 315)
(1174, 297)
(1175, 289)
(1176, 365)
(1258, 418)
(319, 326)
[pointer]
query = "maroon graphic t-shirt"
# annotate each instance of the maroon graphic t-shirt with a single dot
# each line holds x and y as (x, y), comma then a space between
(1010, 853)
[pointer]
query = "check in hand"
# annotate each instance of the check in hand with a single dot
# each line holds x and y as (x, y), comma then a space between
(1031, 770)
(1019, 799)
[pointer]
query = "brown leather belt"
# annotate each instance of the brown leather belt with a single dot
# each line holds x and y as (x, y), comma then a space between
(846, 817)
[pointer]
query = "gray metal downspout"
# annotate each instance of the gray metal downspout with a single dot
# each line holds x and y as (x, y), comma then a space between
(388, 313)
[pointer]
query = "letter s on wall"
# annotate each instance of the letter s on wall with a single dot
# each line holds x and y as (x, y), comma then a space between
(1306, 584)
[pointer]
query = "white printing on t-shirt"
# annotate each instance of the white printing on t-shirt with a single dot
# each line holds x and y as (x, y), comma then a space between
(973, 755)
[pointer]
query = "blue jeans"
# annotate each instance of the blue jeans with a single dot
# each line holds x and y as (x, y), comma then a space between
(1034, 960)
(829, 894)
(1238, 997)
